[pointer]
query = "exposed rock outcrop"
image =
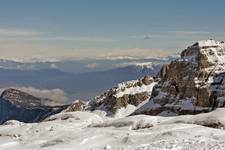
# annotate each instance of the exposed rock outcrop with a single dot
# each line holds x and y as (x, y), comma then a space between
(78, 105)
(192, 84)
(124, 94)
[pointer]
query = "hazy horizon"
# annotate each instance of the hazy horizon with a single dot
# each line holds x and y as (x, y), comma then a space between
(98, 29)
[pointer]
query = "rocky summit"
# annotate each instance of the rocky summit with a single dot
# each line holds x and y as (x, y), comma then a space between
(192, 84)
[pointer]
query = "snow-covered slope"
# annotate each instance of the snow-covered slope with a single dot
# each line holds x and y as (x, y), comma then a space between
(193, 84)
(89, 131)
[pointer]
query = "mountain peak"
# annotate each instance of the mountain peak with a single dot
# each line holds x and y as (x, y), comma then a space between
(192, 84)
(18, 105)
(21, 98)
(205, 53)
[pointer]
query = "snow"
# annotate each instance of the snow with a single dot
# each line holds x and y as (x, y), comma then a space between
(129, 87)
(150, 105)
(191, 58)
(213, 50)
(120, 113)
(125, 111)
(208, 43)
(186, 104)
(132, 87)
(123, 90)
(214, 53)
(148, 65)
(88, 131)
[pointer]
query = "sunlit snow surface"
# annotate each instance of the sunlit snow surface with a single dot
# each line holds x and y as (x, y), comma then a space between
(84, 130)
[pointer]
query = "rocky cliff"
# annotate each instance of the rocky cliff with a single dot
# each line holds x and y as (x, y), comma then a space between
(192, 84)
(130, 93)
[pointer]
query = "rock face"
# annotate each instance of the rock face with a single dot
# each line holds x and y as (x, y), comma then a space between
(124, 94)
(18, 105)
(193, 84)
(78, 105)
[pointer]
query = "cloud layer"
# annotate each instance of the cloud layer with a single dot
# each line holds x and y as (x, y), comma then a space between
(28, 45)
(4, 32)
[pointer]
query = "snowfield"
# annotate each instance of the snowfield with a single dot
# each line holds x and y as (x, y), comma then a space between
(90, 131)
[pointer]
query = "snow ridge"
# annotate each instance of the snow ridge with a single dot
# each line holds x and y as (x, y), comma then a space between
(123, 99)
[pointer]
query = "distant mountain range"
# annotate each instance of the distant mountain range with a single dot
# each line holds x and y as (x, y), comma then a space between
(82, 86)
(80, 66)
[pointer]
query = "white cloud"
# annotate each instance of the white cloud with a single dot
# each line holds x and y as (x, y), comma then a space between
(80, 39)
(10, 34)
(136, 53)
(179, 34)
(4, 32)
(119, 58)
(193, 33)
(32, 46)
(57, 54)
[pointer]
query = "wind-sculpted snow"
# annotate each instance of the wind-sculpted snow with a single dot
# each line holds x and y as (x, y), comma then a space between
(213, 119)
(89, 131)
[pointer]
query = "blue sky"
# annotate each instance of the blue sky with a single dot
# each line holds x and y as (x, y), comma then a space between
(101, 28)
